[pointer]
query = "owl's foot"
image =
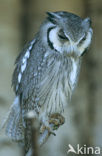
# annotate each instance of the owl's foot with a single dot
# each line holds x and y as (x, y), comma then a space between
(48, 128)
(57, 120)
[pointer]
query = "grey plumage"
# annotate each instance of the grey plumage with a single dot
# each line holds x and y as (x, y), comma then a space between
(47, 69)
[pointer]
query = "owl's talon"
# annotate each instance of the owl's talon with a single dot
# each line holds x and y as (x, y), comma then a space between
(51, 132)
(56, 119)
(43, 128)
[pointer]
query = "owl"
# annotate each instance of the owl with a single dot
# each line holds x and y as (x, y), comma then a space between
(47, 71)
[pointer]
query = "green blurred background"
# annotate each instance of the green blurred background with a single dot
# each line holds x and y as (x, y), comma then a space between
(19, 21)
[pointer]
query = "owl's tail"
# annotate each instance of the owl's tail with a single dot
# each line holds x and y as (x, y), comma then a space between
(13, 122)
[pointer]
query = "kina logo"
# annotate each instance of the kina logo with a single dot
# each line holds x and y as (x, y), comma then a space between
(84, 150)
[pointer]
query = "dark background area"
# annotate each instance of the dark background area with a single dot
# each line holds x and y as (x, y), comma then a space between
(19, 21)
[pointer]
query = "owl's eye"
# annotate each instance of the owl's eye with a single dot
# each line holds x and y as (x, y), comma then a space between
(62, 36)
(83, 39)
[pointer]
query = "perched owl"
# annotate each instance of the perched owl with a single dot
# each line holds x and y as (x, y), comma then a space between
(47, 70)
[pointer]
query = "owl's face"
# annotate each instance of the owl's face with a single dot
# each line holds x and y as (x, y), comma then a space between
(67, 33)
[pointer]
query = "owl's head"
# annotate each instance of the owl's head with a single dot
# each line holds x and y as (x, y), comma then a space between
(67, 33)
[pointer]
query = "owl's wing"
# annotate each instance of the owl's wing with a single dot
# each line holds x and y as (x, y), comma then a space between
(27, 75)
(20, 65)
(14, 122)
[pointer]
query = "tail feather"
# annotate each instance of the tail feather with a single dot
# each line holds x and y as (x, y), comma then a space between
(14, 127)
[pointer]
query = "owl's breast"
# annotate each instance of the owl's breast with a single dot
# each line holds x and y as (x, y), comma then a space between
(57, 85)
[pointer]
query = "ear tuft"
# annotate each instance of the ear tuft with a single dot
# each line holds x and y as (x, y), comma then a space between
(87, 22)
(52, 16)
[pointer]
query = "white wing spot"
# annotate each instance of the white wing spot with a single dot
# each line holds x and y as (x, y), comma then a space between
(19, 77)
(24, 62)
(30, 47)
(27, 54)
(23, 67)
